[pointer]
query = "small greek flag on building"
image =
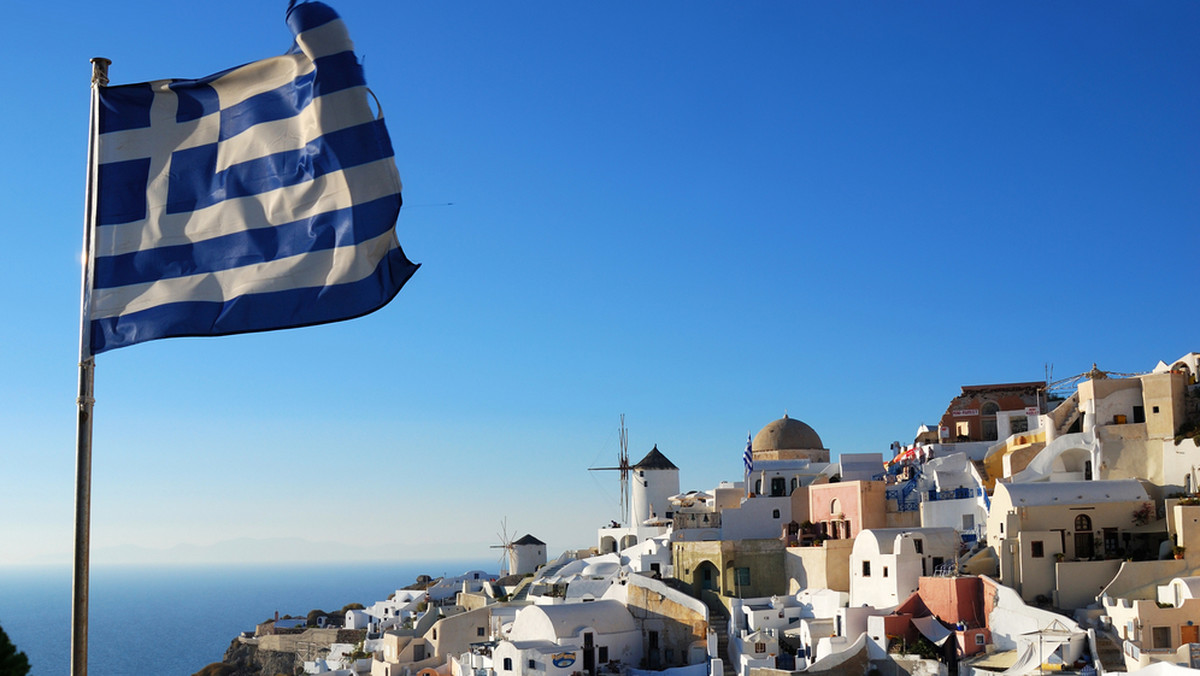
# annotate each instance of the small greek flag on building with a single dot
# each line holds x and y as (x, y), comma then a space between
(748, 456)
(263, 197)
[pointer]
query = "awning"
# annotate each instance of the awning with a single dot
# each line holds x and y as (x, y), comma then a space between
(932, 629)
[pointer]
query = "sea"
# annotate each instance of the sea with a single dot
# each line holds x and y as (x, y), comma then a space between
(174, 620)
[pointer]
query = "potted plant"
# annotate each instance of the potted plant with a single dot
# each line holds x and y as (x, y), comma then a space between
(1060, 557)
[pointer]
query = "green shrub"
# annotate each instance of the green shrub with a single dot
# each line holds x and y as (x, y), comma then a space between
(12, 661)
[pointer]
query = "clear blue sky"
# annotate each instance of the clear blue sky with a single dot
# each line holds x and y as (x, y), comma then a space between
(698, 214)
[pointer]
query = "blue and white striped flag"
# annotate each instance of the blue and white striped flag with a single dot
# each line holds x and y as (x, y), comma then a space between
(748, 456)
(262, 197)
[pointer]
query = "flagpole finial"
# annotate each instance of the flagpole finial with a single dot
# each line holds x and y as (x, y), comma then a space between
(100, 70)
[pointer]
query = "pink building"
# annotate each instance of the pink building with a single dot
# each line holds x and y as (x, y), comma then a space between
(843, 509)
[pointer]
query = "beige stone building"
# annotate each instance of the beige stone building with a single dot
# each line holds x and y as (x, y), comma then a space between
(824, 566)
(1116, 428)
(732, 568)
(1034, 526)
(674, 626)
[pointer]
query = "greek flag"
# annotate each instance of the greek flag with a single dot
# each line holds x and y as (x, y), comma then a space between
(262, 197)
(748, 456)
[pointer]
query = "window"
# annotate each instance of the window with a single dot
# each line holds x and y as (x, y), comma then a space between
(742, 576)
(866, 569)
(508, 664)
(885, 571)
(1161, 637)
(435, 633)
(775, 513)
(758, 487)
(479, 631)
(653, 640)
(968, 522)
(602, 654)
(1083, 522)
(919, 544)
(1037, 549)
(760, 647)
(532, 664)
(978, 639)
(835, 506)
(778, 487)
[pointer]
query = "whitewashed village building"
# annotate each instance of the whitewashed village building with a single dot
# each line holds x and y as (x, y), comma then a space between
(558, 640)
(953, 496)
(886, 563)
(788, 456)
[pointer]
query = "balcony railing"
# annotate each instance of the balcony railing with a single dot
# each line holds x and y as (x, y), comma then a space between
(955, 494)
(685, 520)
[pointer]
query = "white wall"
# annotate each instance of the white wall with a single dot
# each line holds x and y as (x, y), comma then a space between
(755, 519)
(651, 493)
(949, 514)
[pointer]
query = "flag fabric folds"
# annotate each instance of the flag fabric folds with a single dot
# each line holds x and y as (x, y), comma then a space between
(262, 197)
(748, 456)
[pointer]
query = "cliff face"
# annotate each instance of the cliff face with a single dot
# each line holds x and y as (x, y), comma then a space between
(271, 655)
(246, 659)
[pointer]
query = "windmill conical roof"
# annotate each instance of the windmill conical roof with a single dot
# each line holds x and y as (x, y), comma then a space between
(655, 460)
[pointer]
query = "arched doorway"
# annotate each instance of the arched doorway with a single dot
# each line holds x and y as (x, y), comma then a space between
(987, 420)
(707, 578)
(1084, 539)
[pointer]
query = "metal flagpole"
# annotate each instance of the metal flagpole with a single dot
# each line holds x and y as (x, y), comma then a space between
(87, 367)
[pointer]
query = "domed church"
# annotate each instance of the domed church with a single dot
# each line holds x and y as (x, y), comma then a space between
(788, 439)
